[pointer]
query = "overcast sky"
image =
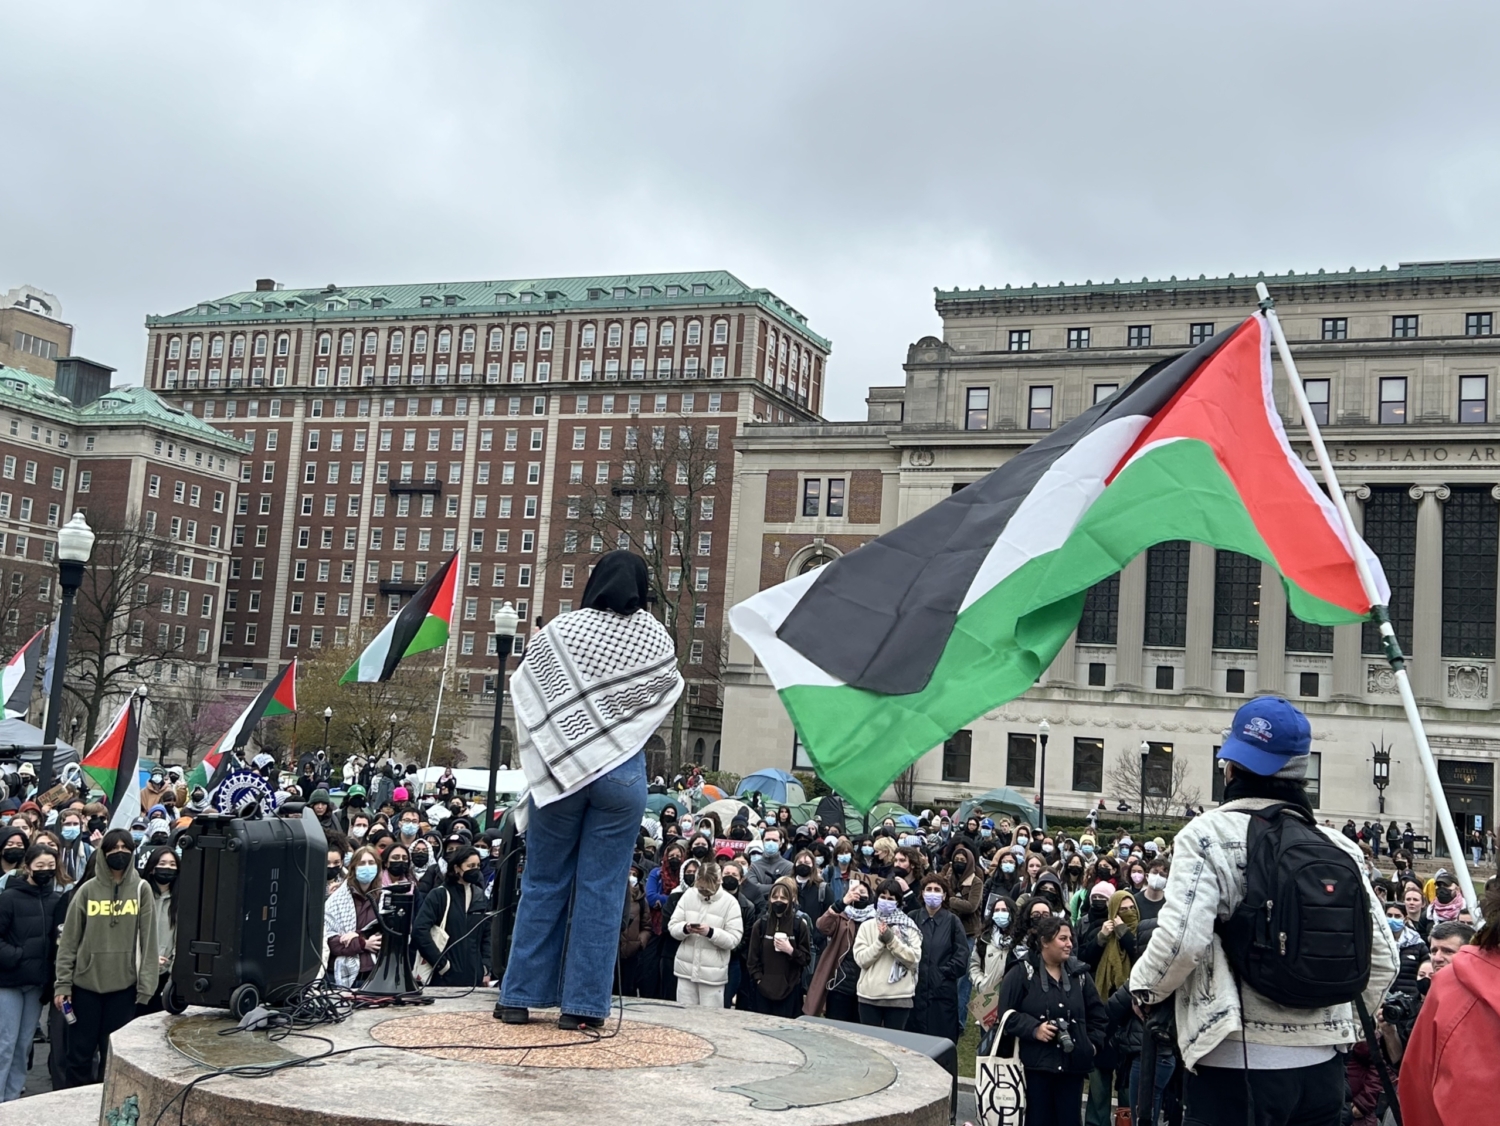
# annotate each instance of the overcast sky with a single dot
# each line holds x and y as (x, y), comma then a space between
(850, 157)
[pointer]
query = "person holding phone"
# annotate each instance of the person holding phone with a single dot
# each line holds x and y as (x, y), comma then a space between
(707, 926)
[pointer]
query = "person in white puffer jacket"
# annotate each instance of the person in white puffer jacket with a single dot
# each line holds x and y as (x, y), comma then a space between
(709, 925)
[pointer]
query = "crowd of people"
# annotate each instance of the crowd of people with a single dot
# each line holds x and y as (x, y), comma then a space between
(1089, 950)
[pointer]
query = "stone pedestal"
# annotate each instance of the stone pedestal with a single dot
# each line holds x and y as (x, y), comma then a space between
(452, 1064)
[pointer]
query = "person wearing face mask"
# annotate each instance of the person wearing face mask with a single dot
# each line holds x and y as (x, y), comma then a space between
(836, 976)
(864, 853)
(1109, 950)
(28, 911)
(76, 853)
(739, 993)
(334, 872)
(160, 871)
(354, 805)
(1411, 951)
(842, 870)
(635, 929)
(944, 963)
(779, 951)
(461, 908)
(993, 953)
(770, 865)
(888, 950)
(813, 895)
(1446, 900)
(661, 882)
(350, 921)
(965, 902)
(107, 955)
(1003, 879)
(707, 925)
(13, 844)
(1152, 895)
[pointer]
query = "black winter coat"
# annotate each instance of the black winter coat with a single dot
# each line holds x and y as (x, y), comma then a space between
(466, 958)
(945, 959)
(1030, 990)
(1091, 948)
(28, 934)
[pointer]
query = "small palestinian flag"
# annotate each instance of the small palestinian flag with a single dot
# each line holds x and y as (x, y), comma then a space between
(278, 697)
(112, 766)
(886, 652)
(421, 625)
(18, 678)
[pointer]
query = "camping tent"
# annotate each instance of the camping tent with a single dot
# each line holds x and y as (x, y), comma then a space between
(774, 785)
(508, 783)
(1003, 801)
(20, 742)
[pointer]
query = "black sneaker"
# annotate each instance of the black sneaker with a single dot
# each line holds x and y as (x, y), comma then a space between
(512, 1015)
(570, 1023)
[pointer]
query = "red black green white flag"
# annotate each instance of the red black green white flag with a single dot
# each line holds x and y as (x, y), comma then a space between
(422, 624)
(278, 697)
(112, 766)
(885, 653)
(18, 678)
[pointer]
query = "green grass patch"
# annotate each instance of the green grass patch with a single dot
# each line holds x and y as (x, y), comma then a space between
(967, 1043)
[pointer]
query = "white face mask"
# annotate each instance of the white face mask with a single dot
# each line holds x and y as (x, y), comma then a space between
(1155, 881)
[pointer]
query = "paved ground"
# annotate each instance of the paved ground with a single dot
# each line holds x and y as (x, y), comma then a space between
(38, 1081)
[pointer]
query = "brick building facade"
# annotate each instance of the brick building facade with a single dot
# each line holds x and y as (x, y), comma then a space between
(393, 425)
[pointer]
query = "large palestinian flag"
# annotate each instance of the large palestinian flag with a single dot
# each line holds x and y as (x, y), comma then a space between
(886, 652)
(278, 697)
(112, 766)
(18, 678)
(422, 624)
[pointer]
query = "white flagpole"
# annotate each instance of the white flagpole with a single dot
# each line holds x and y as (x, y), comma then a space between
(1392, 646)
(437, 711)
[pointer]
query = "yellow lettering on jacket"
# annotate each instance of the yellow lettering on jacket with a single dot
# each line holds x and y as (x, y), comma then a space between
(108, 907)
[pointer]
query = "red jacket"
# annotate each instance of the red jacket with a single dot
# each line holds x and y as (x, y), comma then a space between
(1451, 1060)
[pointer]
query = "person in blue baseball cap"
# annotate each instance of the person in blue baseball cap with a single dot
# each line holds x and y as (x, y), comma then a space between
(1283, 1057)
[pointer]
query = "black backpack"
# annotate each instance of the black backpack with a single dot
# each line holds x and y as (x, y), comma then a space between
(1301, 937)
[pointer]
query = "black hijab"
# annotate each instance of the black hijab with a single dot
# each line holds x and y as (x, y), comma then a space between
(620, 583)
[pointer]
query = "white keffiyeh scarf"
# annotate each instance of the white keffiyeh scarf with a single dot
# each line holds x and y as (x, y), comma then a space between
(595, 685)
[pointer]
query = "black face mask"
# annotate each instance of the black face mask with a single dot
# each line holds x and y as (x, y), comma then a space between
(1423, 985)
(334, 871)
(397, 868)
(419, 858)
(13, 855)
(1445, 895)
(165, 876)
(803, 870)
(700, 851)
(118, 861)
(1075, 873)
(689, 878)
(44, 879)
(960, 865)
(779, 907)
(674, 864)
(474, 876)
(731, 884)
(1096, 910)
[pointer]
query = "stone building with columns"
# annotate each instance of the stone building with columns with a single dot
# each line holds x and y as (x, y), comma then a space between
(1401, 366)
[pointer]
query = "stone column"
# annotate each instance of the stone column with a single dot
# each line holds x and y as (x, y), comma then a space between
(1130, 624)
(1198, 659)
(1270, 656)
(1063, 671)
(1427, 598)
(1348, 662)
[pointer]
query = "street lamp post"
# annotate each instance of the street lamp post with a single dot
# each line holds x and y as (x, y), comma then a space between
(390, 745)
(1145, 755)
(75, 542)
(327, 719)
(506, 620)
(1382, 766)
(1043, 730)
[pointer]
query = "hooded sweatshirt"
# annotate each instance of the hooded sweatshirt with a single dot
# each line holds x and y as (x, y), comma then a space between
(108, 939)
(1450, 1058)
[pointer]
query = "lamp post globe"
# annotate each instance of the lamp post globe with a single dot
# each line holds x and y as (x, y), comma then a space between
(75, 543)
(1043, 730)
(1145, 756)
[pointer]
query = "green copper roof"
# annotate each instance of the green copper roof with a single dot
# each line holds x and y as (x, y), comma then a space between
(1404, 273)
(35, 394)
(532, 295)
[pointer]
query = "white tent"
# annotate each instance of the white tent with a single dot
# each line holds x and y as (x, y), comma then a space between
(508, 783)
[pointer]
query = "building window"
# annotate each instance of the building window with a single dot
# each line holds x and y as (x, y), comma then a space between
(1473, 398)
(1158, 771)
(957, 752)
(1234, 682)
(1471, 524)
(1166, 677)
(1098, 674)
(1317, 399)
(1139, 336)
(1103, 391)
(1307, 684)
(1020, 341)
(1088, 765)
(1166, 593)
(1039, 409)
(1078, 338)
(1403, 327)
(1200, 331)
(835, 496)
(1393, 400)
(1304, 637)
(1479, 324)
(1236, 601)
(977, 408)
(1020, 761)
(812, 491)
(1390, 530)
(1335, 328)
(1101, 611)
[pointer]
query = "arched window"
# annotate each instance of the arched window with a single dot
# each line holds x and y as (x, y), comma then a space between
(346, 344)
(694, 332)
(468, 341)
(721, 332)
(698, 749)
(283, 344)
(370, 343)
(174, 348)
(666, 334)
(419, 341)
(325, 343)
(260, 344)
(195, 347)
(544, 338)
(396, 342)
(444, 342)
(216, 347)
